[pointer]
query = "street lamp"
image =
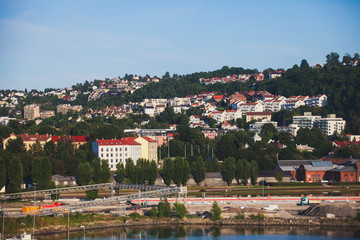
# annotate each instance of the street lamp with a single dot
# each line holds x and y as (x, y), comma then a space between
(34, 209)
(84, 230)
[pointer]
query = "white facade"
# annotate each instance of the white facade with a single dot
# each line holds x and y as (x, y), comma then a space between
(306, 121)
(117, 151)
(330, 124)
(251, 107)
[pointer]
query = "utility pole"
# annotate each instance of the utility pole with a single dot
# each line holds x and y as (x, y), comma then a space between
(185, 149)
(34, 210)
(192, 152)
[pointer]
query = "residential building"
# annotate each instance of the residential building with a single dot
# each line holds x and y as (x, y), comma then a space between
(65, 108)
(256, 127)
(316, 101)
(29, 140)
(64, 181)
(306, 121)
(76, 141)
(5, 120)
(251, 107)
(31, 111)
(148, 147)
(47, 114)
(117, 151)
(330, 124)
(250, 116)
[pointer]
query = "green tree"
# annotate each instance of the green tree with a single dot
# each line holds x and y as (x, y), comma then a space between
(198, 170)
(84, 174)
(15, 175)
(164, 209)
(15, 145)
(92, 194)
(254, 172)
(304, 65)
(153, 212)
(41, 172)
(2, 173)
(130, 170)
(228, 170)
(105, 171)
(332, 58)
(120, 172)
(96, 169)
(152, 174)
(168, 171)
(180, 210)
(215, 212)
(242, 172)
(279, 177)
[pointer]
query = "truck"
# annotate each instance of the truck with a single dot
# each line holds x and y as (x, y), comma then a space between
(306, 201)
(270, 208)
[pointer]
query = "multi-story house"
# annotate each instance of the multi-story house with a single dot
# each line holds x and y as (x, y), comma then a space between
(31, 111)
(330, 124)
(117, 151)
(306, 121)
(250, 116)
(29, 140)
(251, 107)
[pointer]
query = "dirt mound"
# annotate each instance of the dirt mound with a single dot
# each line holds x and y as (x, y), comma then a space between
(322, 210)
(284, 214)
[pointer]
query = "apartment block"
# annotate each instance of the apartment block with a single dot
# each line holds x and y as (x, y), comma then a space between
(31, 111)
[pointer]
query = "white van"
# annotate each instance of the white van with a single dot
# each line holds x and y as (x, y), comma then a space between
(271, 208)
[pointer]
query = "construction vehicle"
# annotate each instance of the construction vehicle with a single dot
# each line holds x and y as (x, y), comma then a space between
(305, 201)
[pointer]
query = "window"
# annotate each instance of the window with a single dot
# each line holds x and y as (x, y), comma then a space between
(102, 155)
(120, 154)
(102, 149)
(125, 154)
(125, 149)
(120, 149)
(111, 155)
(116, 154)
(107, 149)
(107, 155)
(111, 160)
(111, 149)
(115, 149)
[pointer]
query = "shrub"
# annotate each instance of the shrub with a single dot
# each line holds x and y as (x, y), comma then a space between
(180, 210)
(215, 212)
(164, 209)
(261, 216)
(153, 212)
(92, 194)
(357, 216)
(252, 216)
(240, 216)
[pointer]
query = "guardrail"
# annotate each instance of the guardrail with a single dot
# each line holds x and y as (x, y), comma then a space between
(106, 201)
(81, 188)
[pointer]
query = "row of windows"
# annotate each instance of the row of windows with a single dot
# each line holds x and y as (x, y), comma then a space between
(116, 155)
(111, 149)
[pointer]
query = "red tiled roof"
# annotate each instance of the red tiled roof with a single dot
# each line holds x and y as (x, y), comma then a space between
(149, 139)
(35, 137)
(258, 113)
(117, 142)
(70, 138)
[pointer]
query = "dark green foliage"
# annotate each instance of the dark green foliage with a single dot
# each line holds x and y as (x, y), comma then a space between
(279, 177)
(168, 171)
(105, 171)
(84, 174)
(2, 173)
(120, 172)
(164, 209)
(153, 212)
(96, 166)
(180, 210)
(152, 173)
(228, 170)
(15, 145)
(41, 172)
(130, 171)
(181, 171)
(92, 194)
(198, 170)
(215, 212)
(254, 172)
(242, 171)
(15, 175)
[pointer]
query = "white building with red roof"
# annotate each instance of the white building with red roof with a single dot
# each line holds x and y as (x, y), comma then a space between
(251, 107)
(117, 151)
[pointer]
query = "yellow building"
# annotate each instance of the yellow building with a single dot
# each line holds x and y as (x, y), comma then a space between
(29, 140)
(148, 147)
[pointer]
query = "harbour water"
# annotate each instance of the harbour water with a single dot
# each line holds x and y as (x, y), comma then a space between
(211, 232)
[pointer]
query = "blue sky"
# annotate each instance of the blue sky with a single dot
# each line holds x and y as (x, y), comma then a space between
(58, 43)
